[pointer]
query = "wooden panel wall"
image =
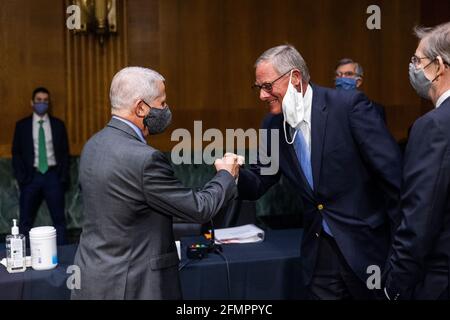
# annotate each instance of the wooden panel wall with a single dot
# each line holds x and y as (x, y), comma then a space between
(31, 55)
(90, 67)
(206, 50)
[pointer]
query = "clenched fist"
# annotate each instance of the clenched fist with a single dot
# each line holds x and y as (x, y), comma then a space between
(230, 162)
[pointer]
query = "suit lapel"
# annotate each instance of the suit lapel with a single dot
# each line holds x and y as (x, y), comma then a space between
(319, 116)
(291, 157)
(54, 135)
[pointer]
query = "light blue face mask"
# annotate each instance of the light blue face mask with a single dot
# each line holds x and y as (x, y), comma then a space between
(40, 107)
(345, 83)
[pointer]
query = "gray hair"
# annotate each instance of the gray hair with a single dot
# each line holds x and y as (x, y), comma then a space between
(284, 58)
(436, 41)
(131, 84)
(359, 70)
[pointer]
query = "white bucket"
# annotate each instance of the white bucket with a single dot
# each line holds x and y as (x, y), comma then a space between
(44, 254)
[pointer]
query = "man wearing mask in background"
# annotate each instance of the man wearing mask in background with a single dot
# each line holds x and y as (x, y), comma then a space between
(346, 168)
(130, 194)
(40, 159)
(349, 76)
(419, 267)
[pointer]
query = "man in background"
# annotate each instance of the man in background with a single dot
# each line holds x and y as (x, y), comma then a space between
(40, 158)
(350, 76)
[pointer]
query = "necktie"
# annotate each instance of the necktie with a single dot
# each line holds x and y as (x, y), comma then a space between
(42, 150)
(304, 157)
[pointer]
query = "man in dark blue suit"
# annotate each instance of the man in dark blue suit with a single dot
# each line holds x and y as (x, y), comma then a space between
(40, 157)
(350, 76)
(335, 149)
(419, 267)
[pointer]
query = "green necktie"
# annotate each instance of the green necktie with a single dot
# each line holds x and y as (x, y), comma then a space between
(43, 164)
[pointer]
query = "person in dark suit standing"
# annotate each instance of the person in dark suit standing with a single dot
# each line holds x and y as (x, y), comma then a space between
(419, 267)
(346, 167)
(350, 76)
(130, 196)
(40, 158)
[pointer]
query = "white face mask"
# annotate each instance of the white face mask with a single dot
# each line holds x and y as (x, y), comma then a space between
(293, 108)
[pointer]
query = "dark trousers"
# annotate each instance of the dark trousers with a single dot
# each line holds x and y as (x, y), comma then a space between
(43, 186)
(333, 279)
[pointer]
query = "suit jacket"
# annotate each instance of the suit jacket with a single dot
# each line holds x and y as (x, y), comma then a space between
(356, 166)
(380, 109)
(130, 195)
(23, 150)
(419, 266)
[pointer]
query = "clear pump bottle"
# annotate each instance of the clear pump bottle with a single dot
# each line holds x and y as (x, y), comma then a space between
(15, 250)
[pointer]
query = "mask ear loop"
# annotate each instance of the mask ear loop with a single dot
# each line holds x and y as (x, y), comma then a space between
(146, 105)
(284, 121)
(303, 99)
(439, 67)
(285, 135)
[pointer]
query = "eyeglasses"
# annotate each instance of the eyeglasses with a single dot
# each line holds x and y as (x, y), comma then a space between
(268, 86)
(415, 60)
(347, 74)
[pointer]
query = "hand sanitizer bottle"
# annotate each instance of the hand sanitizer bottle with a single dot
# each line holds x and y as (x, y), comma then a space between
(15, 250)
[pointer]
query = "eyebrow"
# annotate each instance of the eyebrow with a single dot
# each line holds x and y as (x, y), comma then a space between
(262, 82)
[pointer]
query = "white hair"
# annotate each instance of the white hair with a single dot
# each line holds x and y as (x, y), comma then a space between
(284, 58)
(436, 40)
(134, 83)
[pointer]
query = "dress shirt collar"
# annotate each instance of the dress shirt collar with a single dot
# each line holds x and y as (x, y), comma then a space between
(133, 126)
(442, 98)
(37, 117)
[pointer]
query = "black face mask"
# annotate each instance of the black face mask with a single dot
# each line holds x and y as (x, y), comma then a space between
(157, 120)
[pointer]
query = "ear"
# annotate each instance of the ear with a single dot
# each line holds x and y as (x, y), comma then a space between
(140, 109)
(441, 65)
(359, 82)
(31, 103)
(296, 78)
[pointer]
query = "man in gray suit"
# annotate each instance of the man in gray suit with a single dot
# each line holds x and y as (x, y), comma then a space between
(127, 249)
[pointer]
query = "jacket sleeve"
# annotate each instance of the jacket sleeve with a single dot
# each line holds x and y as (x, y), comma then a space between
(17, 156)
(252, 184)
(166, 194)
(379, 150)
(425, 191)
(65, 157)
(253, 180)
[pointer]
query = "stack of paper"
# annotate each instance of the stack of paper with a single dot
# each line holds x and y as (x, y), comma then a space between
(244, 234)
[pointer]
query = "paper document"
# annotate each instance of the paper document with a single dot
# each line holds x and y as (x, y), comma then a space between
(244, 234)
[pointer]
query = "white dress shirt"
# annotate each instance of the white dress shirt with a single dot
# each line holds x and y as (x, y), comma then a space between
(51, 160)
(305, 126)
(442, 98)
